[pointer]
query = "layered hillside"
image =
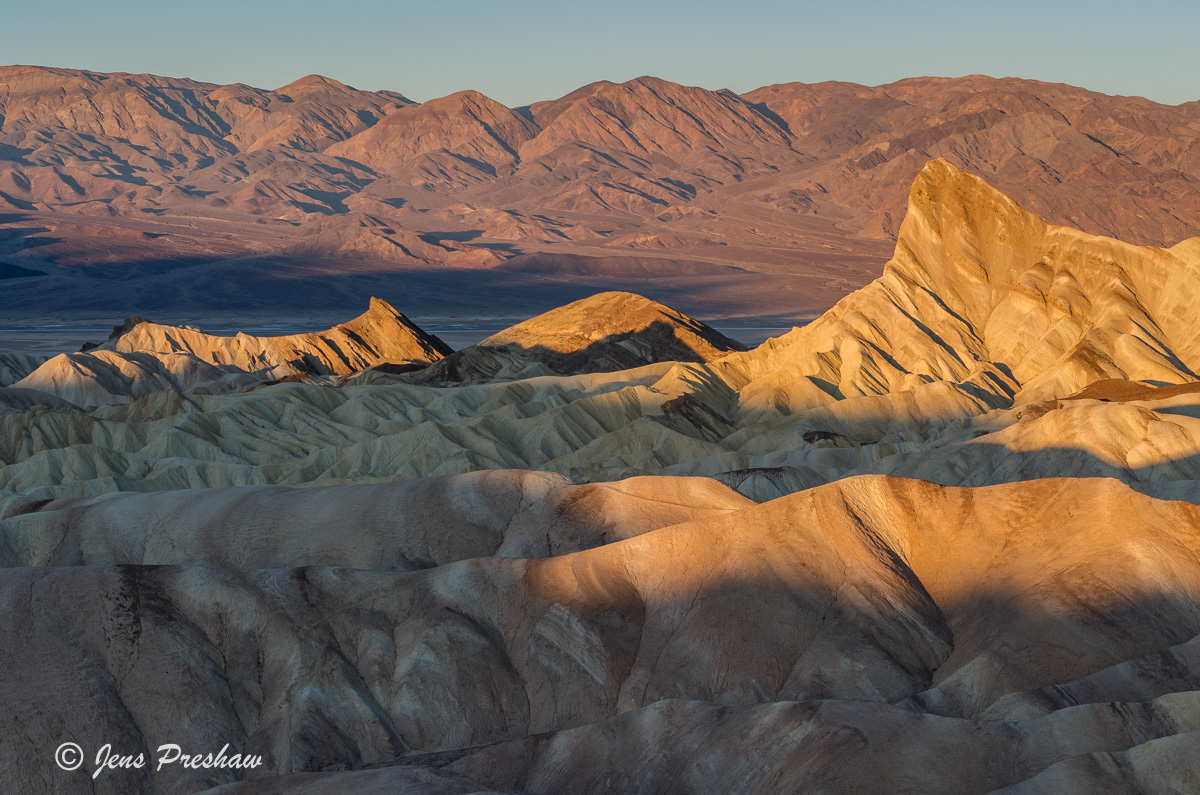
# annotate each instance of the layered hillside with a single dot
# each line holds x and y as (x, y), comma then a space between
(773, 204)
(957, 517)
(142, 357)
(978, 282)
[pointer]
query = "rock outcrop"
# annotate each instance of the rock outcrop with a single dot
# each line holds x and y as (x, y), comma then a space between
(969, 362)
(147, 357)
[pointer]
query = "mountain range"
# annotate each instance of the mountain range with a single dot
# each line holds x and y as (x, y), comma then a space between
(941, 536)
(137, 194)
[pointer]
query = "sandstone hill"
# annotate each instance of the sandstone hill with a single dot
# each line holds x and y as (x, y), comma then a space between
(142, 357)
(607, 332)
(610, 326)
(957, 517)
(193, 191)
(885, 621)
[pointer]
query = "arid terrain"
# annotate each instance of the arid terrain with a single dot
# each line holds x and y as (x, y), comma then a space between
(945, 538)
(184, 201)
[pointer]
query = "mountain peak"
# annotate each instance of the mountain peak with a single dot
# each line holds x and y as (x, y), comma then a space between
(977, 280)
(310, 83)
(142, 357)
(464, 137)
(465, 98)
(946, 196)
(651, 81)
(380, 307)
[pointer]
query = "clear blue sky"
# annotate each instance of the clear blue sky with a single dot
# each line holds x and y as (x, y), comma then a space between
(523, 51)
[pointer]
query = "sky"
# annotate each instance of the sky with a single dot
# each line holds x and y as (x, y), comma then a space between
(522, 51)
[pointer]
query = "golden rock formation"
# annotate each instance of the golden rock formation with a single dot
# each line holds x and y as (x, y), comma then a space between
(148, 357)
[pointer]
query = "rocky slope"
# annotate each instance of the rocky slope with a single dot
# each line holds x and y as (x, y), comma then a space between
(880, 619)
(957, 363)
(15, 366)
(1062, 152)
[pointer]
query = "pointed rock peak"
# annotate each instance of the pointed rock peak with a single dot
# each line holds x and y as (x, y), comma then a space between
(944, 188)
(378, 306)
(961, 237)
(949, 209)
(394, 336)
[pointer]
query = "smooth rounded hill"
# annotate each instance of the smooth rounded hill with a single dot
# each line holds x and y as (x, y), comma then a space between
(613, 331)
(607, 332)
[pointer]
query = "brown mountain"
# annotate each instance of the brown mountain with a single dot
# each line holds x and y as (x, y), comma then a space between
(775, 203)
(458, 140)
(716, 136)
(1123, 167)
(49, 111)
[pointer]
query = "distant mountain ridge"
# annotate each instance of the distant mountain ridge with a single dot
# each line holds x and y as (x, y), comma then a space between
(793, 180)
